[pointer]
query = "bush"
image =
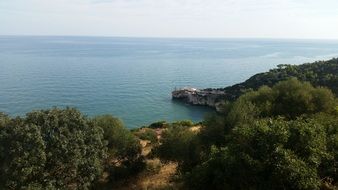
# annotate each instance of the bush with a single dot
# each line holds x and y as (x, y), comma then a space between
(290, 99)
(22, 155)
(4, 119)
(125, 169)
(213, 131)
(178, 144)
(159, 124)
(183, 123)
(272, 154)
(124, 149)
(283, 137)
(122, 144)
(147, 134)
(56, 148)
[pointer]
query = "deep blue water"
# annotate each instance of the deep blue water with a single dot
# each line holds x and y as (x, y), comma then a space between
(132, 78)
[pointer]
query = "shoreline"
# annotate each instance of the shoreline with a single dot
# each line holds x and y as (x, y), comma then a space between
(326, 71)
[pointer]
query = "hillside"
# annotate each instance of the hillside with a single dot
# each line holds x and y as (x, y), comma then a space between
(319, 73)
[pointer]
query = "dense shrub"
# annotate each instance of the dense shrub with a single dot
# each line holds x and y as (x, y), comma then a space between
(183, 123)
(159, 124)
(122, 144)
(22, 155)
(290, 99)
(62, 149)
(4, 119)
(270, 154)
(213, 131)
(178, 144)
(51, 149)
(124, 149)
(147, 134)
(280, 137)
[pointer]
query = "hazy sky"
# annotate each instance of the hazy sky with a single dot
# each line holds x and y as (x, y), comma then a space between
(171, 18)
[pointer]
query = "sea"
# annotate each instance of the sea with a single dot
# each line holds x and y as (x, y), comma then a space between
(132, 78)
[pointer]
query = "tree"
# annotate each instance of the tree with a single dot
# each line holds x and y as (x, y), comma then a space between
(290, 98)
(320, 73)
(50, 149)
(294, 98)
(22, 155)
(124, 150)
(122, 144)
(179, 144)
(147, 134)
(280, 137)
(271, 154)
(213, 131)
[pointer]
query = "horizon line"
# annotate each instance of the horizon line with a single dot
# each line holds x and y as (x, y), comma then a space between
(164, 37)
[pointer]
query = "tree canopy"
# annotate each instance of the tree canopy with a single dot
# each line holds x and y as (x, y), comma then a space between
(279, 137)
(319, 73)
(61, 149)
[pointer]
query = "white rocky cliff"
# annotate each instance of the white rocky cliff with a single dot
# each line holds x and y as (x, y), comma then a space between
(206, 97)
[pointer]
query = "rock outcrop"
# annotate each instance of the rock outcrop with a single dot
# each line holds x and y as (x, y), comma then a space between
(205, 97)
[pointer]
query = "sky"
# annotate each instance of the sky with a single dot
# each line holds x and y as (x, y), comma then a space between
(310, 19)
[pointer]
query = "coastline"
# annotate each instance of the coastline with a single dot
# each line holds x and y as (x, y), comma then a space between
(319, 73)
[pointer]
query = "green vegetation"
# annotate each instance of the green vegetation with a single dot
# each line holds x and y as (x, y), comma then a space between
(183, 123)
(159, 124)
(62, 149)
(279, 133)
(124, 150)
(320, 73)
(178, 144)
(122, 145)
(283, 137)
(290, 99)
(147, 134)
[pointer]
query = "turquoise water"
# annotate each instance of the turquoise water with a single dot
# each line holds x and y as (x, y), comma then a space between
(132, 78)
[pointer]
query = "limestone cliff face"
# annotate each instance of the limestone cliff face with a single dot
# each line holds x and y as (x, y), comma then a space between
(211, 98)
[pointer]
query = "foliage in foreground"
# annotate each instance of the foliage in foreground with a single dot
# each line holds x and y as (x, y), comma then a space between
(60, 149)
(280, 137)
(124, 150)
(284, 137)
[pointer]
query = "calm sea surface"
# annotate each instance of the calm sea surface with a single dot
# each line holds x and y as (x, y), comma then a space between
(132, 78)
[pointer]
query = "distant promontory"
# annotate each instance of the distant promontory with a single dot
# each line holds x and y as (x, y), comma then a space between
(319, 73)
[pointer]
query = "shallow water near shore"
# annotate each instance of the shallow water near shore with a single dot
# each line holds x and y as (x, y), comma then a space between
(132, 78)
